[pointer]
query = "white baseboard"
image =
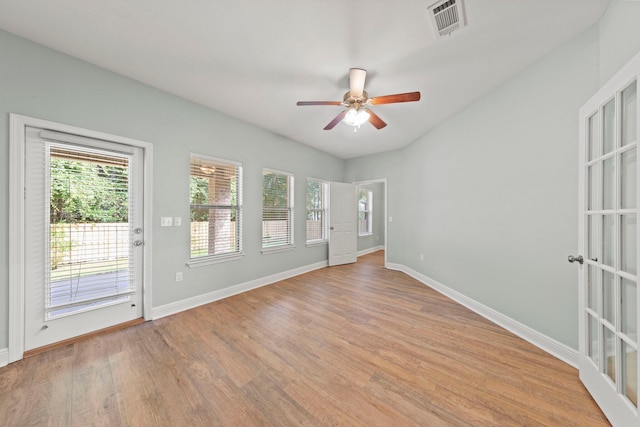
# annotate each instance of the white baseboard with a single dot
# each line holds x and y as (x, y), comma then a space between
(371, 250)
(551, 346)
(189, 303)
(4, 357)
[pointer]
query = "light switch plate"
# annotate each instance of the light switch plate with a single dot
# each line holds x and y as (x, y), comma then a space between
(177, 221)
(166, 221)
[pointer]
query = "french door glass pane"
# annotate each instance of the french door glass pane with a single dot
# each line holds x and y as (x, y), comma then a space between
(628, 114)
(629, 308)
(609, 304)
(608, 234)
(608, 182)
(628, 243)
(594, 136)
(609, 126)
(592, 281)
(628, 179)
(630, 373)
(593, 236)
(593, 348)
(610, 354)
(593, 188)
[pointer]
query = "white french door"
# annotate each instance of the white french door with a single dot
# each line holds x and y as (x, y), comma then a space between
(609, 240)
(343, 243)
(83, 228)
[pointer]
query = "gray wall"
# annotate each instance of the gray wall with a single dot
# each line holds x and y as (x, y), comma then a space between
(42, 83)
(377, 233)
(490, 196)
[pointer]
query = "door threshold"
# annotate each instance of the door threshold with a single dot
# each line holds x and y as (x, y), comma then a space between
(119, 326)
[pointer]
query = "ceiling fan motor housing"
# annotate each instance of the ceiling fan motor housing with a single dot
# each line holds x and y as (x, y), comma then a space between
(352, 102)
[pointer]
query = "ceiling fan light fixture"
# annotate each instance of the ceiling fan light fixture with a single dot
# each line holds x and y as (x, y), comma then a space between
(356, 117)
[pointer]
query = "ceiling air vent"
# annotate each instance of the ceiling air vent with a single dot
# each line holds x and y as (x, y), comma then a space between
(447, 16)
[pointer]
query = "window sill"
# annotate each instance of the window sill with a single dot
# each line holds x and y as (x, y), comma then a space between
(365, 235)
(317, 243)
(201, 262)
(276, 249)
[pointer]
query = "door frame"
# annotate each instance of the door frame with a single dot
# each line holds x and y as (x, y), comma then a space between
(386, 201)
(17, 142)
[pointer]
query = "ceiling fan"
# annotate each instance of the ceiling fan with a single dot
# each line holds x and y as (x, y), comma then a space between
(357, 103)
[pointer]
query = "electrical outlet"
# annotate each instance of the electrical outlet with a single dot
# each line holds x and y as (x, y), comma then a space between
(421, 257)
(179, 276)
(166, 221)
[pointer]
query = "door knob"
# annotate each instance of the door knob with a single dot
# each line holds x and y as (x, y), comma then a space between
(573, 259)
(331, 228)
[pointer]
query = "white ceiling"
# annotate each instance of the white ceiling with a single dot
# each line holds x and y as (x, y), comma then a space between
(254, 59)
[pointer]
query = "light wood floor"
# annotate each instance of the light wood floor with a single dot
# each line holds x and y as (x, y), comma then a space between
(349, 345)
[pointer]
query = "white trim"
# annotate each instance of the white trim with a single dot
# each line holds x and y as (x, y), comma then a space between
(386, 215)
(551, 346)
(371, 250)
(276, 249)
(313, 243)
(215, 259)
(4, 357)
(214, 159)
(17, 126)
(198, 300)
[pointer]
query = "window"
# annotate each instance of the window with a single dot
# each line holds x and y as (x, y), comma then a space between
(277, 209)
(365, 203)
(317, 210)
(215, 193)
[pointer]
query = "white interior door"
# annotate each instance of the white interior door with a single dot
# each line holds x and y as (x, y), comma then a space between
(343, 233)
(609, 241)
(83, 235)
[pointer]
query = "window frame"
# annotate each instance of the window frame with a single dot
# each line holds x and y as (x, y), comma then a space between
(237, 207)
(324, 210)
(290, 208)
(368, 213)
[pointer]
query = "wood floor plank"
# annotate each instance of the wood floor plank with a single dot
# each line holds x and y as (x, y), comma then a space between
(353, 345)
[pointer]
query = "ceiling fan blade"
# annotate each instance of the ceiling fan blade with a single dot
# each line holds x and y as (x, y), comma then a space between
(375, 120)
(319, 103)
(398, 97)
(335, 121)
(357, 77)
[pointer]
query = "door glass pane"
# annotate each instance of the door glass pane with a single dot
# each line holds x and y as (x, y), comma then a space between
(608, 283)
(628, 243)
(628, 179)
(594, 136)
(628, 114)
(88, 231)
(630, 373)
(609, 133)
(593, 236)
(592, 345)
(629, 308)
(592, 192)
(610, 354)
(608, 182)
(592, 287)
(608, 234)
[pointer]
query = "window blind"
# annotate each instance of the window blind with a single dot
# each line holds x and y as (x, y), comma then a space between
(365, 202)
(88, 211)
(277, 209)
(317, 192)
(215, 192)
